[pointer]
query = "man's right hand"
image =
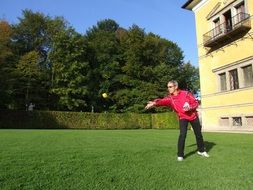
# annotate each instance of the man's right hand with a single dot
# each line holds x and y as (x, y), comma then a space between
(150, 104)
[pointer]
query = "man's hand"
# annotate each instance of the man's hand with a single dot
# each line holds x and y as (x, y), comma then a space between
(150, 104)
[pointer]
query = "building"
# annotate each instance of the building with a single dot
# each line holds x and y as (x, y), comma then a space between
(225, 49)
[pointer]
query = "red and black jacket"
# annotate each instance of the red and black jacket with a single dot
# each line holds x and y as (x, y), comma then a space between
(176, 102)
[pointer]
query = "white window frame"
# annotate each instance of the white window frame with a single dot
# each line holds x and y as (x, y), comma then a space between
(243, 79)
(228, 67)
(231, 7)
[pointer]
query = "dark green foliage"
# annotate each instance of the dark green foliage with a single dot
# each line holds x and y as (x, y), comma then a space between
(82, 120)
(189, 78)
(6, 64)
(70, 70)
(35, 32)
(32, 35)
(45, 61)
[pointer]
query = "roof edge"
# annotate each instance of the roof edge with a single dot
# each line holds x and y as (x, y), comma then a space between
(186, 4)
(190, 4)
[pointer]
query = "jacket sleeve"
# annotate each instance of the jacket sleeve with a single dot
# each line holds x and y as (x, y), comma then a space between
(193, 102)
(166, 101)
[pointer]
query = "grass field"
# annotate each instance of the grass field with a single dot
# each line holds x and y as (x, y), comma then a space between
(122, 159)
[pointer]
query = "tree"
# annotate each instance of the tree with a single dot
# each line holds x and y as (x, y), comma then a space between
(28, 70)
(44, 60)
(149, 62)
(189, 77)
(70, 70)
(5, 39)
(104, 60)
(35, 33)
(6, 63)
(130, 65)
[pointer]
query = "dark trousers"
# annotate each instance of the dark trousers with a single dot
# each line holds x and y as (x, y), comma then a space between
(183, 123)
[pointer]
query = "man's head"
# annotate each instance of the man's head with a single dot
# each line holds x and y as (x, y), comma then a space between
(172, 86)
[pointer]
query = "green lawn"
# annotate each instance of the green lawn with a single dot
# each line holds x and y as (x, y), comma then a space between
(122, 159)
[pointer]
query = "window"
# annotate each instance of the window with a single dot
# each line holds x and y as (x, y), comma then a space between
(233, 79)
(240, 10)
(249, 120)
(224, 121)
(248, 75)
(223, 83)
(236, 75)
(237, 121)
(228, 21)
(217, 27)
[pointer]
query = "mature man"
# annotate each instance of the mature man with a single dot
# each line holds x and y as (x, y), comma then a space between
(185, 105)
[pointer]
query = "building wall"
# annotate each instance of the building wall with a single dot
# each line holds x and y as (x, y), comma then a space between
(217, 104)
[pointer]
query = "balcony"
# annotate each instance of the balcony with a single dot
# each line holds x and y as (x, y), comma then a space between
(227, 30)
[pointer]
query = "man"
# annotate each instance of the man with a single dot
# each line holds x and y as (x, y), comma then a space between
(185, 105)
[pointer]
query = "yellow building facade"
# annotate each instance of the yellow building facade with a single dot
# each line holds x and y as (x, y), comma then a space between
(224, 31)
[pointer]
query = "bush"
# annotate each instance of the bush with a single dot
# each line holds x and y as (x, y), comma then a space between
(167, 120)
(82, 120)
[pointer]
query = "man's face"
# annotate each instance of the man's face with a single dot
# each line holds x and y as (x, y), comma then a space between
(171, 88)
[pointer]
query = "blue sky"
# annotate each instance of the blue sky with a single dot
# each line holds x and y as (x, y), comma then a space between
(165, 18)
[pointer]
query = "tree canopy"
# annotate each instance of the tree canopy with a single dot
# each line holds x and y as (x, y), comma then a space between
(43, 60)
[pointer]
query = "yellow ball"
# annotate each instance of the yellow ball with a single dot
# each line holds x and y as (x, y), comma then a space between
(104, 95)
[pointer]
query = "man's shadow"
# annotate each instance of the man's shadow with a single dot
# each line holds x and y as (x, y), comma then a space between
(208, 146)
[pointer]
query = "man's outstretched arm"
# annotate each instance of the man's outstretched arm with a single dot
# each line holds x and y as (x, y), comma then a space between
(158, 102)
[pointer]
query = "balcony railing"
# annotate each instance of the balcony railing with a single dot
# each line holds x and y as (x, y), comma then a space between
(235, 25)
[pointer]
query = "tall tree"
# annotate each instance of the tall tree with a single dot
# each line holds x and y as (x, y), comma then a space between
(28, 70)
(70, 70)
(149, 62)
(104, 60)
(189, 77)
(6, 63)
(57, 68)
(35, 33)
(5, 40)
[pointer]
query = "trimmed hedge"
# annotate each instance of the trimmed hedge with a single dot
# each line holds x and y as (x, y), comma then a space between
(81, 120)
(164, 121)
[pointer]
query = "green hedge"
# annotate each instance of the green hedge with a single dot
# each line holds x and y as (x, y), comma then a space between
(82, 120)
(164, 121)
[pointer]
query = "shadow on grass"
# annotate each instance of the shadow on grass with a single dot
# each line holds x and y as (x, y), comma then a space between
(208, 146)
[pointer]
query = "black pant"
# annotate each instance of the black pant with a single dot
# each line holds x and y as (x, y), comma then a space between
(183, 123)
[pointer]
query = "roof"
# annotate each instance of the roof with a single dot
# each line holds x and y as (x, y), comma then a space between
(190, 4)
(187, 3)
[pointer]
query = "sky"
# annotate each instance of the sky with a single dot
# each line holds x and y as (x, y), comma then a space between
(165, 18)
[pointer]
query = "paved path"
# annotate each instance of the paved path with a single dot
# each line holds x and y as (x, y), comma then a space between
(247, 131)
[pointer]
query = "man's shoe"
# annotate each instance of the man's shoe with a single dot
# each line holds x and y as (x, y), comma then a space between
(204, 154)
(180, 158)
